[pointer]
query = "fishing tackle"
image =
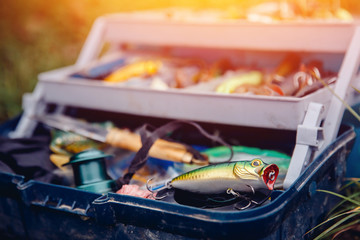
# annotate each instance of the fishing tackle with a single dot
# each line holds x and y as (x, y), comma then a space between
(238, 179)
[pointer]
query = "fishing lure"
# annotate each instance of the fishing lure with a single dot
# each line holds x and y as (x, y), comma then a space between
(68, 143)
(233, 178)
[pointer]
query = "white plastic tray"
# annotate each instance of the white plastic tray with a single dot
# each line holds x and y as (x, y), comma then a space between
(245, 110)
(153, 29)
(309, 36)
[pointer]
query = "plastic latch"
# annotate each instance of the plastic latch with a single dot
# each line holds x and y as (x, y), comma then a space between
(310, 135)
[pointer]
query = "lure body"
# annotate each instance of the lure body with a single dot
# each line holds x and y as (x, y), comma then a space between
(240, 176)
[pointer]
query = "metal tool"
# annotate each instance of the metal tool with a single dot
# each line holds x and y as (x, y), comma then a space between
(121, 138)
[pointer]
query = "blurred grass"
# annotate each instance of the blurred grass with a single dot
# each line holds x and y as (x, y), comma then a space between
(40, 35)
(35, 37)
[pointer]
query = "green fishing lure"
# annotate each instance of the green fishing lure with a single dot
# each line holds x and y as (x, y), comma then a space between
(68, 143)
(231, 178)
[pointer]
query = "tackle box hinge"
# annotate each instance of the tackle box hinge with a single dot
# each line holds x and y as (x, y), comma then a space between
(310, 135)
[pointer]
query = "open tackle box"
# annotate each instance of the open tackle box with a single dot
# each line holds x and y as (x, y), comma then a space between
(318, 153)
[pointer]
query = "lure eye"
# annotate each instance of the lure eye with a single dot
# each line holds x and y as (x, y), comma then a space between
(272, 175)
(256, 162)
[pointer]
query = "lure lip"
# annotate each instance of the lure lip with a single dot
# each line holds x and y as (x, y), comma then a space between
(270, 174)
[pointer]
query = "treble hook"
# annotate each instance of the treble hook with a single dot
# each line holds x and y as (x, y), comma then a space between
(252, 189)
(153, 193)
(236, 194)
(243, 208)
(232, 192)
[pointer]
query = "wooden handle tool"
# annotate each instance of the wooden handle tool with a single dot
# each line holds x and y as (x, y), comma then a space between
(121, 138)
(160, 149)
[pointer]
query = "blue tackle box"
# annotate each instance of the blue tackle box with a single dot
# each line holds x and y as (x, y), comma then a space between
(37, 210)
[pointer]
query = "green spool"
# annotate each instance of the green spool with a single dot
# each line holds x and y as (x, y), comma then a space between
(90, 171)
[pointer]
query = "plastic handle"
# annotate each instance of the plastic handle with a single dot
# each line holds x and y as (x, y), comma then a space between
(161, 149)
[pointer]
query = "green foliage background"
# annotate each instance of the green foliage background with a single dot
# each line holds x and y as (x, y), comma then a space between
(40, 35)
